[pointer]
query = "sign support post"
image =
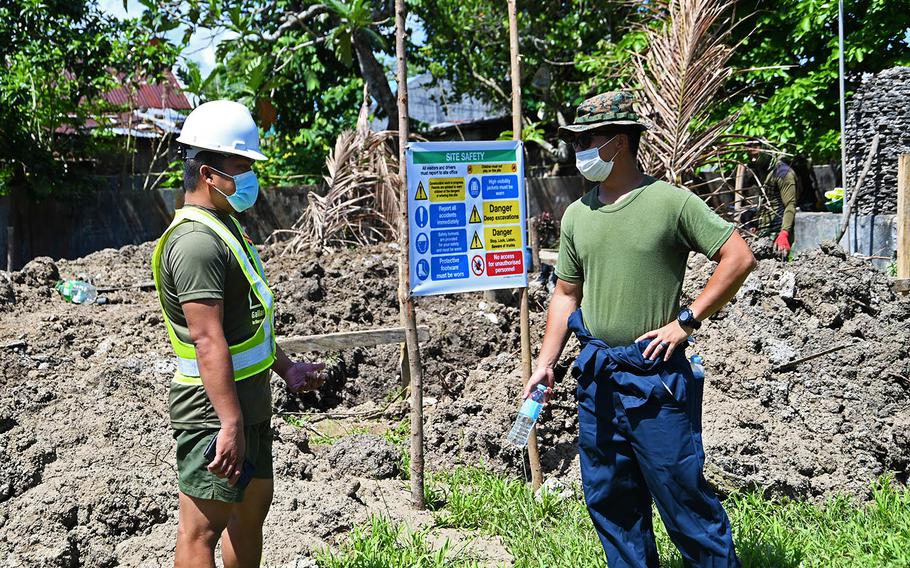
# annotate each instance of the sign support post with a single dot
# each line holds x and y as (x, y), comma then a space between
(533, 453)
(406, 302)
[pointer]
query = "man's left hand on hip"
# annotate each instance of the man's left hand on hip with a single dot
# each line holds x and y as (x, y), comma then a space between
(664, 340)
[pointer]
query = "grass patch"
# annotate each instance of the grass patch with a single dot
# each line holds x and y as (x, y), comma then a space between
(552, 532)
(398, 436)
(384, 544)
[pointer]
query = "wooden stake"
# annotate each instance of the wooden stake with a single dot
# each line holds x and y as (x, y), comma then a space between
(406, 302)
(903, 216)
(533, 453)
(739, 200)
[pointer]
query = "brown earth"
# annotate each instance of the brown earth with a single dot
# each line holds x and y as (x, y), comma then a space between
(86, 456)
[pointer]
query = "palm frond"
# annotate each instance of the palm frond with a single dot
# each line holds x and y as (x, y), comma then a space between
(681, 77)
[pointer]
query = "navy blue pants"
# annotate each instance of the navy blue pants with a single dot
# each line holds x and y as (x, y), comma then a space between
(640, 440)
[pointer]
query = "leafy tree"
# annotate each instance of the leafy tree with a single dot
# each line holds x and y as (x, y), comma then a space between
(468, 45)
(57, 58)
(302, 65)
(789, 66)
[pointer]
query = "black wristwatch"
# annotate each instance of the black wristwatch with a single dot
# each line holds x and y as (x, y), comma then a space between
(687, 319)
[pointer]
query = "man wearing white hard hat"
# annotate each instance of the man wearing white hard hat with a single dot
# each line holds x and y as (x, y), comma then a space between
(219, 313)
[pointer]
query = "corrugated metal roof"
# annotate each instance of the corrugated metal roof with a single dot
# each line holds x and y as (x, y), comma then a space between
(164, 94)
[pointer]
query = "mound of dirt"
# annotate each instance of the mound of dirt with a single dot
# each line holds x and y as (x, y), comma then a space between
(87, 458)
(772, 420)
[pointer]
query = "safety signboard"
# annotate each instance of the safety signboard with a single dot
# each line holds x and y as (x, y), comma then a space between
(466, 208)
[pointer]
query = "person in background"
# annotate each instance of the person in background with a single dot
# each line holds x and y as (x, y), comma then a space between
(779, 191)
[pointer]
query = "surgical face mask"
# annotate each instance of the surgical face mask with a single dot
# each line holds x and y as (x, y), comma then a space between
(592, 166)
(246, 190)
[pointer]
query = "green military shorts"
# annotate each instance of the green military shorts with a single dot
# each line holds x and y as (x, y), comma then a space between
(197, 481)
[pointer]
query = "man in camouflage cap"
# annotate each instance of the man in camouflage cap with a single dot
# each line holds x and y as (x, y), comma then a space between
(622, 260)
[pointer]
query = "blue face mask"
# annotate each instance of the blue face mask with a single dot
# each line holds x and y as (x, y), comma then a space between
(246, 190)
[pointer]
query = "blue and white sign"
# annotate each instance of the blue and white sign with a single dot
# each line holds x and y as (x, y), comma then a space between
(467, 211)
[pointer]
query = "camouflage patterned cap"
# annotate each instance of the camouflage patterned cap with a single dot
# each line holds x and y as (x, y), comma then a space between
(605, 109)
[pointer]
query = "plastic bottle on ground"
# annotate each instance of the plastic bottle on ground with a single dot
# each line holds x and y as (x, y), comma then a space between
(77, 291)
(527, 417)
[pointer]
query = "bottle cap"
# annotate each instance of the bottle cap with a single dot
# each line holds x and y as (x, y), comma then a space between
(541, 387)
(696, 359)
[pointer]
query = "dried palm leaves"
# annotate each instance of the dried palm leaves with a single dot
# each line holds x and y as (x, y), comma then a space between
(681, 77)
(360, 202)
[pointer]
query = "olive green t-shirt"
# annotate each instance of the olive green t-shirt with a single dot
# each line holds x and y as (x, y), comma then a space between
(631, 255)
(197, 265)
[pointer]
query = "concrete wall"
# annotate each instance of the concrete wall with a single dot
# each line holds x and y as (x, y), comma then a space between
(76, 225)
(868, 235)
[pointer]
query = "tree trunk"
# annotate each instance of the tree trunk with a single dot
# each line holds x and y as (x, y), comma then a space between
(374, 75)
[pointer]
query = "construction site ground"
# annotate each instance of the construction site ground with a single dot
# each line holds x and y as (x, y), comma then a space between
(87, 474)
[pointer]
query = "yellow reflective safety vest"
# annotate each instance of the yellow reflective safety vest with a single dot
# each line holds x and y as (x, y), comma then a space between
(250, 357)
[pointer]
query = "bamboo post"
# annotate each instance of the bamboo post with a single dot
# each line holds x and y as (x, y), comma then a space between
(533, 454)
(903, 216)
(739, 200)
(406, 302)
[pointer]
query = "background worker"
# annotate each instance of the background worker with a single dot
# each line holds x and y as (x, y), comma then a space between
(622, 260)
(219, 314)
(779, 189)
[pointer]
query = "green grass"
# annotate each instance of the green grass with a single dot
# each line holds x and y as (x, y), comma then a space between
(558, 533)
(398, 436)
(384, 544)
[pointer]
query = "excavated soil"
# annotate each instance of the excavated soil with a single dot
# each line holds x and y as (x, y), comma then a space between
(87, 459)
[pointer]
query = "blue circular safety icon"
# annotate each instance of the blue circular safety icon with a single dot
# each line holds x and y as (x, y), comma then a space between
(474, 187)
(422, 243)
(423, 269)
(421, 216)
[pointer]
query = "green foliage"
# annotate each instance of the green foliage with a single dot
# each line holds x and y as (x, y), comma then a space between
(789, 63)
(302, 80)
(57, 57)
(468, 45)
(385, 544)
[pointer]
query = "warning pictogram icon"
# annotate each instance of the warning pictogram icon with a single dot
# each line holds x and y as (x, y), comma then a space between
(476, 243)
(421, 192)
(475, 216)
(477, 265)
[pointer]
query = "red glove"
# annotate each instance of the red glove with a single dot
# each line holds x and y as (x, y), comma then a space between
(782, 242)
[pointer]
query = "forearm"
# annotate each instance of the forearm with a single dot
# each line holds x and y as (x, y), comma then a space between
(732, 270)
(282, 362)
(788, 196)
(217, 373)
(557, 331)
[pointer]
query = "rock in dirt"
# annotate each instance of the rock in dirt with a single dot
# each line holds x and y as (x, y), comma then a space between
(39, 272)
(364, 455)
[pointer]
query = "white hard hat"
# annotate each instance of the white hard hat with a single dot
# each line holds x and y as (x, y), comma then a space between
(221, 126)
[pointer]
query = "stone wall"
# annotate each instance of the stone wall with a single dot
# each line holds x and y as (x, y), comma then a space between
(881, 104)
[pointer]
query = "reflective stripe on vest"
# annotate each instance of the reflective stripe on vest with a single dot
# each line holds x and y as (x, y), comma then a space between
(249, 357)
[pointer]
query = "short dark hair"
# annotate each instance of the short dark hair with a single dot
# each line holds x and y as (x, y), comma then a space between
(631, 131)
(191, 168)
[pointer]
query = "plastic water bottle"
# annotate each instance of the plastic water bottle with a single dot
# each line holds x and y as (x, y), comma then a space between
(698, 368)
(77, 291)
(527, 416)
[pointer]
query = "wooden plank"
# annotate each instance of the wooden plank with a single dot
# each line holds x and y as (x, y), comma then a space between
(903, 216)
(349, 339)
(901, 285)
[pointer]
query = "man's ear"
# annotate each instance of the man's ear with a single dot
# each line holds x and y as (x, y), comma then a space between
(205, 173)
